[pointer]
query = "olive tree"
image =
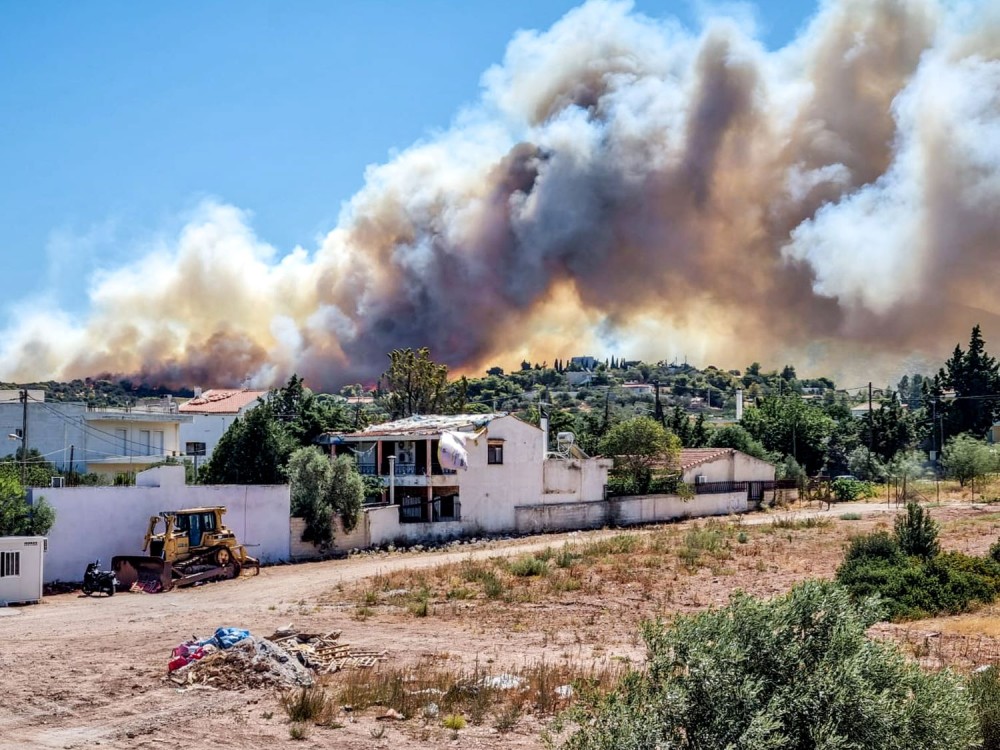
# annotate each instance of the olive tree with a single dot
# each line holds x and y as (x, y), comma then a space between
(792, 673)
(321, 488)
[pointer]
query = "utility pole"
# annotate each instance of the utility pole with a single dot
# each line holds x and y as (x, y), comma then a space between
(871, 431)
(24, 439)
(71, 449)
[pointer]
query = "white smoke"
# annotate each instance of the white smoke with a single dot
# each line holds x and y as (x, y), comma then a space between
(622, 182)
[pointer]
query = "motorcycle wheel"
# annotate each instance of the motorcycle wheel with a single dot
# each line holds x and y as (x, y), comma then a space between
(87, 591)
(111, 590)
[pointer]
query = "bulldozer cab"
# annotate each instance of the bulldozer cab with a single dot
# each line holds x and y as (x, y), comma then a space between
(196, 524)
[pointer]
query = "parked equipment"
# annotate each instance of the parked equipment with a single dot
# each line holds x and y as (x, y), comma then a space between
(193, 546)
(99, 581)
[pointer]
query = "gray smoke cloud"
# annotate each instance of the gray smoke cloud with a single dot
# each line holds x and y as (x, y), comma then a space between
(622, 182)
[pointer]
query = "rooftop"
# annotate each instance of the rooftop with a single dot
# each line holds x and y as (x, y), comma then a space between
(221, 401)
(691, 457)
(419, 424)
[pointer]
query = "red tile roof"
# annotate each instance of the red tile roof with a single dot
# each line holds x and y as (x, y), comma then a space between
(221, 401)
(694, 456)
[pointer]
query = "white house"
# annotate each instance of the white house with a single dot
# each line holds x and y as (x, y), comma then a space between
(102, 440)
(723, 470)
(212, 412)
(508, 466)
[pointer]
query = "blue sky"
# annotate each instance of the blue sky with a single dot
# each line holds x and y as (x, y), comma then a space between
(118, 117)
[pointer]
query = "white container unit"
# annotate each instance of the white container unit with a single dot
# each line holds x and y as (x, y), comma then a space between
(21, 563)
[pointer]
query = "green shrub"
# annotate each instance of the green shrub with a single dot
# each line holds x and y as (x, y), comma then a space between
(984, 687)
(877, 546)
(525, 567)
(454, 722)
(846, 490)
(492, 585)
(911, 588)
(917, 532)
(793, 672)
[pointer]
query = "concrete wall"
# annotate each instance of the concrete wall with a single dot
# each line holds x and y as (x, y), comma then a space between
(531, 519)
(99, 522)
(358, 538)
(585, 479)
(625, 511)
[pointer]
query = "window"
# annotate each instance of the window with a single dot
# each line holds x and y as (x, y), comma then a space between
(194, 449)
(10, 564)
(144, 442)
(494, 452)
(121, 437)
(157, 444)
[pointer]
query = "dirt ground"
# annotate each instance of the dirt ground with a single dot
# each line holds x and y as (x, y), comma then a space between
(86, 672)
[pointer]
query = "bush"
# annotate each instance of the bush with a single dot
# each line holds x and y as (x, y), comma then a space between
(17, 518)
(984, 687)
(917, 533)
(525, 567)
(847, 490)
(793, 672)
(911, 588)
(877, 546)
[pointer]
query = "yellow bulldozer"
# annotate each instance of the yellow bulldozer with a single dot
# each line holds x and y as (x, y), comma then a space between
(193, 546)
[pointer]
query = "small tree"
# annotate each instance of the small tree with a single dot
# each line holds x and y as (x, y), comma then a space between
(917, 532)
(734, 436)
(17, 518)
(639, 445)
(321, 488)
(309, 474)
(964, 458)
(346, 492)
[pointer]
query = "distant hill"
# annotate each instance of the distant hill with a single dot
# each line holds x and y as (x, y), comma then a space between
(95, 392)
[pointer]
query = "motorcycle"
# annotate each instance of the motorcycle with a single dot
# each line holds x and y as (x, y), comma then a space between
(97, 580)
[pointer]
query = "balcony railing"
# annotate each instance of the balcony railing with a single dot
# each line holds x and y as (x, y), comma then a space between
(405, 470)
(367, 470)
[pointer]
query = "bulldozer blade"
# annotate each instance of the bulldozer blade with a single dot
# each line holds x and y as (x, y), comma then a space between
(151, 574)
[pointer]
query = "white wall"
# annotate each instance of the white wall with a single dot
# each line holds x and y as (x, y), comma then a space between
(489, 493)
(732, 467)
(207, 429)
(625, 511)
(100, 522)
(585, 479)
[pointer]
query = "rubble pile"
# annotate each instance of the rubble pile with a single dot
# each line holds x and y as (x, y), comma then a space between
(233, 659)
(324, 653)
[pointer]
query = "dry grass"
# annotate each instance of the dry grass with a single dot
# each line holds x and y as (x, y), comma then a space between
(589, 596)
(477, 694)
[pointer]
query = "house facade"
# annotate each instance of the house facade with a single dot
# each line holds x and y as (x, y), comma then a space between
(506, 465)
(78, 437)
(727, 471)
(212, 412)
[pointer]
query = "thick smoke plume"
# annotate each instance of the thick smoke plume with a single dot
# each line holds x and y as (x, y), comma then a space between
(623, 185)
